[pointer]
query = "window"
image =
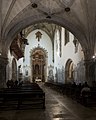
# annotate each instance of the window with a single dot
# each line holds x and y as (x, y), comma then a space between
(66, 36)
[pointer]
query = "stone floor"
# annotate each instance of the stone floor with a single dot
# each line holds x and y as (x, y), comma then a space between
(58, 107)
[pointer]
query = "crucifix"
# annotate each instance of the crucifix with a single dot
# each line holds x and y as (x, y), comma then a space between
(38, 35)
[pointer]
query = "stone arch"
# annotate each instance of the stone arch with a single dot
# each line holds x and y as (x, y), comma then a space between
(14, 70)
(38, 61)
(15, 28)
(69, 68)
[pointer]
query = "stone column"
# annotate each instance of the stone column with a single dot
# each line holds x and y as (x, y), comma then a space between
(88, 67)
(87, 63)
(3, 63)
(53, 52)
(90, 71)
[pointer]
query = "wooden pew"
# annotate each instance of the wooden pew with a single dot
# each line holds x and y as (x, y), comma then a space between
(32, 94)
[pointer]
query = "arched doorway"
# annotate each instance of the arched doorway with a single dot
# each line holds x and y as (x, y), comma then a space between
(69, 68)
(38, 64)
(14, 70)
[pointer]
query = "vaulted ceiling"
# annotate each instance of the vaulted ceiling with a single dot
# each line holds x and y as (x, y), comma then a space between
(78, 16)
(48, 28)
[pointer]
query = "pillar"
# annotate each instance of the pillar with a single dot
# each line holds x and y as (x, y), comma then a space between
(89, 67)
(3, 63)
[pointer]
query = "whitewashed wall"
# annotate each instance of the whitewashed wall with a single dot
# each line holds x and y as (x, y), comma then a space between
(68, 52)
(45, 43)
(9, 66)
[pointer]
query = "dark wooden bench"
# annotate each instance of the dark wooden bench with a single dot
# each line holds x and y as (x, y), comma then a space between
(25, 95)
(89, 99)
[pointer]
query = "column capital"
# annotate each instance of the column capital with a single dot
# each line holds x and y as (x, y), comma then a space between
(88, 54)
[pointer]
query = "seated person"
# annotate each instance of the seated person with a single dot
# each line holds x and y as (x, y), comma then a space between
(85, 91)
(10, 83)
(16, 83)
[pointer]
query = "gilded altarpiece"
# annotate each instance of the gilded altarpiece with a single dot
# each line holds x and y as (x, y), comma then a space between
(38, 65)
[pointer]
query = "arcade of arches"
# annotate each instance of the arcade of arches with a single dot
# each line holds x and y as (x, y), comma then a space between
(64, 29)
(69, 71)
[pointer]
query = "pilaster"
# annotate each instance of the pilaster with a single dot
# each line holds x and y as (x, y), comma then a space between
(3, 63)
(89, 66)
